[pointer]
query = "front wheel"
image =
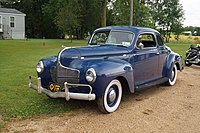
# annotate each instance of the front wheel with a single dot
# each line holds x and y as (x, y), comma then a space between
(111, 98)
(172, 80)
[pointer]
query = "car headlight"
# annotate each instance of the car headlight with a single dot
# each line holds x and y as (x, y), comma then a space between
(91, 75)
(40, 67)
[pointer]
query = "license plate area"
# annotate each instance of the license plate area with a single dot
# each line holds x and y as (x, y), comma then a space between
(54, 87)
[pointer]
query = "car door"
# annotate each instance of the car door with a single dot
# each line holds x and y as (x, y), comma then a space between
(163, 52)
(145, 60)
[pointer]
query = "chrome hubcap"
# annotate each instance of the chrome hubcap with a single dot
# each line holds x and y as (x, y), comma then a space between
(112, 95)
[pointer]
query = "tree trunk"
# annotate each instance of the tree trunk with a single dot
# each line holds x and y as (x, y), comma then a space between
(77, 34)
(103, 12)
(71, 34)
(134, 13)
(131, 12)
(71, 38)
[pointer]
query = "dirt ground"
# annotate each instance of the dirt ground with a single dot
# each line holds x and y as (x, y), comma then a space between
(159, 109)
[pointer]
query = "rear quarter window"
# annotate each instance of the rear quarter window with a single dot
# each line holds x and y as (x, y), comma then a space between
(159, 40)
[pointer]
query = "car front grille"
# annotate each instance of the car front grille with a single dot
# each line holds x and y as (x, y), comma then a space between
(61, 74)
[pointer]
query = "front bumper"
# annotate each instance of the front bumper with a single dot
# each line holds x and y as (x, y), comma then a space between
(67, 95)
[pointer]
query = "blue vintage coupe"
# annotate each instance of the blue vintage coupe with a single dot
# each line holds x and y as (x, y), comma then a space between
(116, 58)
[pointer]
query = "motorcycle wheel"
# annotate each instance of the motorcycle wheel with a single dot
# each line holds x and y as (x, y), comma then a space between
(187, 63)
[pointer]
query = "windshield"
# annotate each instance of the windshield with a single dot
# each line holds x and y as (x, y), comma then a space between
(112, 38)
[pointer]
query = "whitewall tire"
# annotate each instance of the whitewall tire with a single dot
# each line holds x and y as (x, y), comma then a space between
(111, 98)
(172, 79)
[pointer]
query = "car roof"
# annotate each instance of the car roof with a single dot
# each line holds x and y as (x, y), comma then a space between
(128, 28)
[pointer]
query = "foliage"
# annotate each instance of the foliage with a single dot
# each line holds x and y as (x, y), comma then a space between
(141, 17)
(68, 17)
(195, 30)
(54, 18)
(75, 17)
(119, 11)
(38, 25)
(168, 14)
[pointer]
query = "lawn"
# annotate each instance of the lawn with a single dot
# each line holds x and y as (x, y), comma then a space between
(18, 59)
(179, 48)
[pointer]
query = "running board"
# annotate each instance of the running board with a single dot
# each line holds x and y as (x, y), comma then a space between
(150, 84)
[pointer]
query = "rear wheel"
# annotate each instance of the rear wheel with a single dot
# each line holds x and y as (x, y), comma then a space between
(187, 63)
(172, 80)
(111, 99)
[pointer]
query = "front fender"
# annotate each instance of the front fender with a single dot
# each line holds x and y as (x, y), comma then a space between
(46, 74)
(108, 70)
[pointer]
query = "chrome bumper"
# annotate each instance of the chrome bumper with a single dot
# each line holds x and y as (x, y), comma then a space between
(67, 95)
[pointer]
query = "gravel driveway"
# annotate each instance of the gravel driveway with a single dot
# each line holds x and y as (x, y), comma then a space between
(162, 108)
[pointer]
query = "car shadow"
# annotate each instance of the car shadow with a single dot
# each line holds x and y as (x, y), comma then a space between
(91, 106)
(143, 94)
(71, 105)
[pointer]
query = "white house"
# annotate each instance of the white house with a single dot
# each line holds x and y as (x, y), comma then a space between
(12, 24)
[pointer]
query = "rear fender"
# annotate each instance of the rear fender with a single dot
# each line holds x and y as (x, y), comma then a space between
(172, 59)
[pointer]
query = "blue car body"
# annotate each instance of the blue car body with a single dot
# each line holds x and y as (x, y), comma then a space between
(136, 68)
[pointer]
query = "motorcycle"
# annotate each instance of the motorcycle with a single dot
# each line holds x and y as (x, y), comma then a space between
(193, 55)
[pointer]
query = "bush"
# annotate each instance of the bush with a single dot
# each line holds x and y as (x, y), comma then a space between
(189, 37)
(196, 40)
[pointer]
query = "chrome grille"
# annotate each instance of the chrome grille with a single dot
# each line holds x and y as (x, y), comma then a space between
(61, 74)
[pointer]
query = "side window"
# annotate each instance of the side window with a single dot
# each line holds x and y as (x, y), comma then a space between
(146, 40)
(159, 40)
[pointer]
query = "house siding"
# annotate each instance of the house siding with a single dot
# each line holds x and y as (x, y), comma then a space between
(18, 31)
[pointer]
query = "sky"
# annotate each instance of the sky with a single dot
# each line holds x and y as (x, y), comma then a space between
(192, 12)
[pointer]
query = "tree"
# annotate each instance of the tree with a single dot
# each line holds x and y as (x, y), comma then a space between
(68, 19)
(120, 12)
(90, 16)
(54, 18)
(76, 17)
(141, 14)
(103, 12)
(168, 14)
(37, 24)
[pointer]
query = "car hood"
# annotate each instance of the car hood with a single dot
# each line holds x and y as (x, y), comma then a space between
(68, 55)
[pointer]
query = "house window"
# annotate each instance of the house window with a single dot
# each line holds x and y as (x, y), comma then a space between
(12, 22)
(0, 22)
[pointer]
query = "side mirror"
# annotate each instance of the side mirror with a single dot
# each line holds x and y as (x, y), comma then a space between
(140, 46)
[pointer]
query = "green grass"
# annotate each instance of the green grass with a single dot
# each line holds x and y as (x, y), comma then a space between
(180, 48)
(18, 59)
